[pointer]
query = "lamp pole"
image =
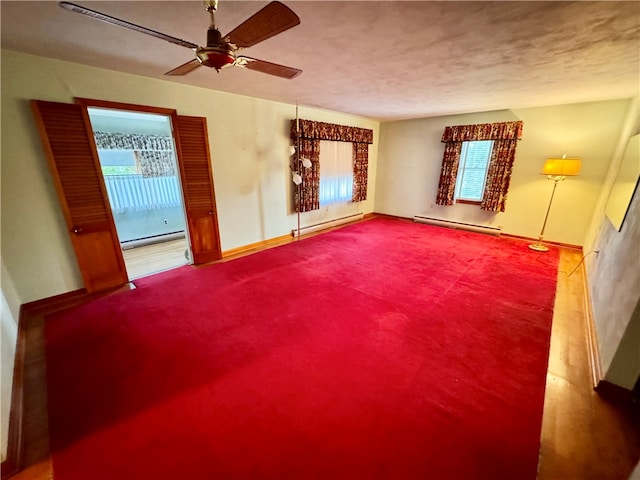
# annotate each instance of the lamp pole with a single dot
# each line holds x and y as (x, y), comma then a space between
(298, 169)
(538, 246)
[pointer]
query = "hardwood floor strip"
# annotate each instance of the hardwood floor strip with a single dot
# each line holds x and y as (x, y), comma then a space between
(154, 258)
(592, 338)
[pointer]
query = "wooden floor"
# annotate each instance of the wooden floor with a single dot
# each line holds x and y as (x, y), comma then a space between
(154, 258)
(584, 436)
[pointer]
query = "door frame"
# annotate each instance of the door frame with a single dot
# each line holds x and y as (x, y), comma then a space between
(194, 225)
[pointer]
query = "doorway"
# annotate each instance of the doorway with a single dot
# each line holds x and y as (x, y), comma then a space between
(138, 162)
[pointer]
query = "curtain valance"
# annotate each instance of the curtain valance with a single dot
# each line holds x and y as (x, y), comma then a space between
(330, 131)
(132, 141)
(483, 131)
(153, 153)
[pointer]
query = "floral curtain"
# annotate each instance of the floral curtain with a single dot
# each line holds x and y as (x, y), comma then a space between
(156, 164)
(310, 133)
(154, 153)
(360, 171)
(309, 190)
(448, 173)
(499, 175)
(505, 136)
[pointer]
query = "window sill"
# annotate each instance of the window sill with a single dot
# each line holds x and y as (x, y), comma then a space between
(469, 202)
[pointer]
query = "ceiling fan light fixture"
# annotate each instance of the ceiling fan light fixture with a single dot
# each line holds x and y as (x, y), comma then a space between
(215, 57)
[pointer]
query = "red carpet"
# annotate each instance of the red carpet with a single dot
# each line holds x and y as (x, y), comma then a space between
(385, 349)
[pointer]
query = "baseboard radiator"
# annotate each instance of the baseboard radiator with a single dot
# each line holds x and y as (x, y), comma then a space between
(459, 225)
(328, 224)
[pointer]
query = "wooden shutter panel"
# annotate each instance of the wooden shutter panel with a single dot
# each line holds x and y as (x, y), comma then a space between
(70, 149)
(197, 186)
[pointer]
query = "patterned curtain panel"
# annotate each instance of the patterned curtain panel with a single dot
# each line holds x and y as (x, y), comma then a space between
(448, 174)
(360, 171)
(316, 131)
(156, 164)
(309, 190)
(154, 153)
(499, 175)
(505, 136)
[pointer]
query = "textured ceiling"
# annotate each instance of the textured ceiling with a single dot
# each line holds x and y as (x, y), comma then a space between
(378, 59)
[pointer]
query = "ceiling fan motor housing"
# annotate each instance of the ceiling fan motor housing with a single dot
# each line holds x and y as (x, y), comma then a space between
(217, 53)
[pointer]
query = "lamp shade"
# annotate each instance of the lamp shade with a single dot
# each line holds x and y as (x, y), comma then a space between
(561, 167)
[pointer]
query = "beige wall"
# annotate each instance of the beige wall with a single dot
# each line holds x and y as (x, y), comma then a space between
(614, 275)
(9, 312)
(248, 137)
(410, 157)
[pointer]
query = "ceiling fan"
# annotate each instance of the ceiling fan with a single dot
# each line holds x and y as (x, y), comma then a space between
(220, 51)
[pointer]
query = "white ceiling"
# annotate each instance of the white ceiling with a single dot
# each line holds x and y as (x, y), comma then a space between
(379, 59)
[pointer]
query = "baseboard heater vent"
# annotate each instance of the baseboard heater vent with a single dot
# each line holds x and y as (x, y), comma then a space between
(141, 242)
(459, 225)
(328, 224)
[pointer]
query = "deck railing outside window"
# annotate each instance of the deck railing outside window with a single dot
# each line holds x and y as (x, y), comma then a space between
(138, 193)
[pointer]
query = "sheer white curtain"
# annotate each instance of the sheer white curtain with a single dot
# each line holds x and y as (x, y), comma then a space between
(336, 172)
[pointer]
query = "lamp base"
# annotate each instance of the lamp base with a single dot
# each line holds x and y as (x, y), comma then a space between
(538, 247)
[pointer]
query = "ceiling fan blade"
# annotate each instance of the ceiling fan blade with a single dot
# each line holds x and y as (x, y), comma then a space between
(72, 7)
(273, 19)
(185, 67)
(267, 67)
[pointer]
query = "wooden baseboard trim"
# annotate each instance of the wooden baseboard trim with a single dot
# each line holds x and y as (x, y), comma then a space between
(592, 337)
(281, 240)
(55, 302)
(548, 242)
(13, 462)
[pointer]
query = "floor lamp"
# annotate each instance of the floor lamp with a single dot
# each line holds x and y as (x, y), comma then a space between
(296, 177)
(555, 169)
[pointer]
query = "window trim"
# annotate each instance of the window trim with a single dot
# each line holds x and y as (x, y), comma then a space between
(462, 169)
(348, 160)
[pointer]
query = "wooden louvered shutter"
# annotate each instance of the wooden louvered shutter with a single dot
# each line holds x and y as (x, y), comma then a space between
(197, 185)
(68, 143)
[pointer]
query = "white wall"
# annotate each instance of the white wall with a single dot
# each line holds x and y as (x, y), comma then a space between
(248, 139)
(410, 157)
(9, 314)
(614, 275)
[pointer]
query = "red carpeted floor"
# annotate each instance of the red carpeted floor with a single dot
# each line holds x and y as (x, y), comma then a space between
(384, 349)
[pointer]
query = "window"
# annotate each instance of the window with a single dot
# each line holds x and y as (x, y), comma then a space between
(118, 162)
(336, 172)
(472, 171)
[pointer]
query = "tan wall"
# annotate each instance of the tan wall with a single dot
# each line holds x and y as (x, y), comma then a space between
(9, 312)
(248, 137)
(410, 157)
